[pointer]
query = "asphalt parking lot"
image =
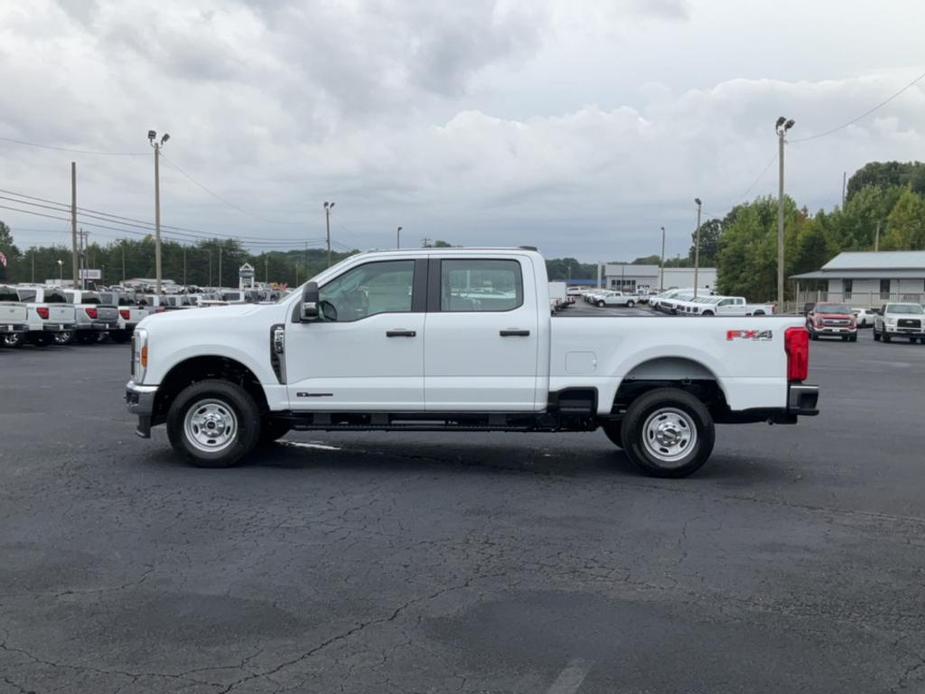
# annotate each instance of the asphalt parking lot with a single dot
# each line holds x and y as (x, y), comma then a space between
(379, 562)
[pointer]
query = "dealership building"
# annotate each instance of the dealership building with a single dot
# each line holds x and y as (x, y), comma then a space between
(632, 278)
(865, 279)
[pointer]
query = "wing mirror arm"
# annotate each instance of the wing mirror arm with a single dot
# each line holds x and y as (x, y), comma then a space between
(308, 312)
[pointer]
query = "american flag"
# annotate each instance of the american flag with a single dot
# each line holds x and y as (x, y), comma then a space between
(2, 259)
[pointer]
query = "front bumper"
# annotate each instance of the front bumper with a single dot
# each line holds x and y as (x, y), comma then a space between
(8, 328)
(139, 400)
(58, 327)
(829, 330)
(904, 332)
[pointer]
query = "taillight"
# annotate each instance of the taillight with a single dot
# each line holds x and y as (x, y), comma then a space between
(92, 312)
(796, 342)
(125, 313)
(43, 312)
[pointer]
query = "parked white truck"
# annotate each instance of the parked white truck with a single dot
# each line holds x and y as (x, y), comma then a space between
(13, 313)
(49, 318)
(400, 340)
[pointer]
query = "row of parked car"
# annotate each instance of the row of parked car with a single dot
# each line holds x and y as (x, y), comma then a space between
(687, 302)
(891, 321)
(42, 315)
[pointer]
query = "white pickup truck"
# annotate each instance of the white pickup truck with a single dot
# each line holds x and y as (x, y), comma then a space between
(458, 340)
(13, 313)
(722, 306)
(48, 316)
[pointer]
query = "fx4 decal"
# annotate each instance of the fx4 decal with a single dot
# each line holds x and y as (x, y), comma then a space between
(754, 335)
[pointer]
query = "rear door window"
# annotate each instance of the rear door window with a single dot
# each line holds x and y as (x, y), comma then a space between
(478, 284)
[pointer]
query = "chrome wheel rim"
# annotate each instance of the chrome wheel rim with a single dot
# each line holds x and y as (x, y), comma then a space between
(62, 338)
(211, 426)
(669, 434)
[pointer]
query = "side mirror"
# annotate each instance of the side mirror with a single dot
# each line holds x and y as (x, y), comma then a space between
(310, 299)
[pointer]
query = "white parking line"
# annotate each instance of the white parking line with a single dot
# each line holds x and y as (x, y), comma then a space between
(570, 679)
(320, 446)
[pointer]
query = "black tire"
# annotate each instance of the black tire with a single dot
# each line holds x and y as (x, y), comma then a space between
(685, 417)
(219, 400)
(885, 337)
(120, 336)
(759, 313)
(844, 338)
(273, 430)
(707, 313)
(614, 431)
(600, 304)
(43, 340)
(853, 338)
(14, 340)
(876, 336)
(630, 303)
(65, 337)
(85, 337)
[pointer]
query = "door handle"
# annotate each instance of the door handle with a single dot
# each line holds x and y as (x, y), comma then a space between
(400, 333)
(515, 333)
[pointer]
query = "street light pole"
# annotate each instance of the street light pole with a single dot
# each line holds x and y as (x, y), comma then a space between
(398, 238)
(661, 267)
(61, 272)
(157, 145)
(697, 247)
(328, 206)
(781, 127)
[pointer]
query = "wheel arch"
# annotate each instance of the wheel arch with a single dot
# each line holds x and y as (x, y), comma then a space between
(201, 368)
(685, 373)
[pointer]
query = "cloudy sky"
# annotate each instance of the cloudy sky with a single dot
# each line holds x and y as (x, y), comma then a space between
(579, 127)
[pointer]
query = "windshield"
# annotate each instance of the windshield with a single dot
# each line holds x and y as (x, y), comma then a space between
(911, 309)
(832, 308)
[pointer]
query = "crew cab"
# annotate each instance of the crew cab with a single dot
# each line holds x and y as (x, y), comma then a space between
(49, 318)
(458, 340)
(13, 313)
(723, 306)
(611, 297)
(900, 320)
(832, 320)
(94, 319)
(130, 314)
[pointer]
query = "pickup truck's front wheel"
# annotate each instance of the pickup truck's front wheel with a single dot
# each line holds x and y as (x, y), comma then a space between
(668, 432)
(213, 423)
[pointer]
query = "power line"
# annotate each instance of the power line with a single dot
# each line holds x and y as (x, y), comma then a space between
(863, 115)
(75, 151)
(131, 221)
(759, 177)
(224, 200)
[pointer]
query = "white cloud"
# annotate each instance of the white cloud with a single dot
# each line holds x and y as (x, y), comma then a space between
(478, 122)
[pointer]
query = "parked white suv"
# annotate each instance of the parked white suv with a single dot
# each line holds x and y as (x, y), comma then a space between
(458, 340)
(900, 320)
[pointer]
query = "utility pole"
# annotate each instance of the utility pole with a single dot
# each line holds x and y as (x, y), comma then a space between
(123, 261)
(696, 247)
(398, 238)
(210, 269)
(328, 206)
(877, 238)
(220, 267)
(781, 127)
(33, 268)
(73, 226)
(266, 268)
(844, 188)
(157, 145)
(661, 267)
(184, 266)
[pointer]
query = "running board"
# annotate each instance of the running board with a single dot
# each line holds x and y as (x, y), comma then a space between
(429, 421)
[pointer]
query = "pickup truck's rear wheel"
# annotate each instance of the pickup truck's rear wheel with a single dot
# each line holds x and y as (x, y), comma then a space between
(65, 337)
(13, 340)
(213, 423)
(600, 304)
(668, 432)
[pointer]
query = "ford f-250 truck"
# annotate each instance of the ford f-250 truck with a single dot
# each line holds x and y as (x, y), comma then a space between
(458, 340)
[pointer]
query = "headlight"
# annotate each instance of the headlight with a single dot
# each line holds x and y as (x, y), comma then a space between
(140, 355)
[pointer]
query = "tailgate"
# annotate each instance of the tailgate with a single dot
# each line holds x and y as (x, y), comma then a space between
(61, 313)
(107, 314)
(12, 313)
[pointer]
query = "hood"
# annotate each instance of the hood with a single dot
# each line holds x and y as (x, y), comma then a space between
(199, 318)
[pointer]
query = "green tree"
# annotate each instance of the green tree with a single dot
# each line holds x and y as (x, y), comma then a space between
(888, 174)
(711, 234)
(906, 224)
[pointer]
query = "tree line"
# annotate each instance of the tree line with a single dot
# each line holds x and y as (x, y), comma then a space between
(884, 208)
